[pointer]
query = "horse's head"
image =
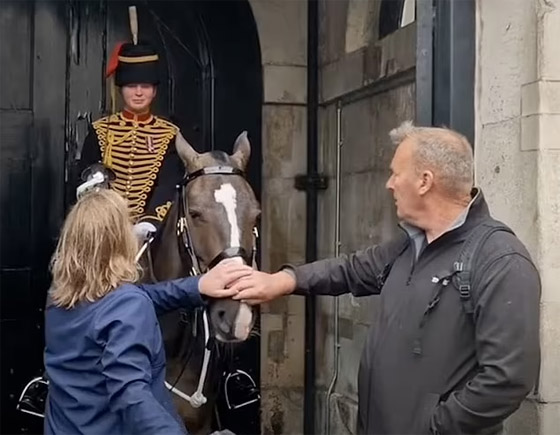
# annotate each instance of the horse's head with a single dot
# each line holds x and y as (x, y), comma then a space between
(221, 213)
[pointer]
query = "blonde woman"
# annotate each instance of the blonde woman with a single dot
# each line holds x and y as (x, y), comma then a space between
(104, 353)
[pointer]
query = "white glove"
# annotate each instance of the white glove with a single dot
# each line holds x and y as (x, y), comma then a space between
(85, 187)
(142, 230)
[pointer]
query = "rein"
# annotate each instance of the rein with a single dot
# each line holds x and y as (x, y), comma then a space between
(186, 249)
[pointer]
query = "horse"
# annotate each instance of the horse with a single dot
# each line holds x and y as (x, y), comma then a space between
(214, 216)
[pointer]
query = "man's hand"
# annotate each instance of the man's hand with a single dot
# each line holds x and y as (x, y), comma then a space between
(262, 287)
(215, 282)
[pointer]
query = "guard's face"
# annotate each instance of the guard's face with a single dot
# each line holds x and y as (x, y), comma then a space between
(138, 97)
(405, 183)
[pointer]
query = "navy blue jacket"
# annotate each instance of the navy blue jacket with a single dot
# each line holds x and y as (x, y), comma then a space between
(105, 362)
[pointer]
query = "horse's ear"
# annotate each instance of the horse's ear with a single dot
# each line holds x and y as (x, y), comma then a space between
(188, 154)
(241, 150)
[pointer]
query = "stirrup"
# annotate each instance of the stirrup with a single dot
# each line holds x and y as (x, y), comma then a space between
(244, 386)
(34, 397)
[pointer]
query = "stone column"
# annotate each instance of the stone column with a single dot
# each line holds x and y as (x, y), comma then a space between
(540, 131)
(282, 29)
(517, 154)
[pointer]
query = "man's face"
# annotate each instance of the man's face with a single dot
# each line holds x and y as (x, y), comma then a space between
(405, 183)
(138, 97)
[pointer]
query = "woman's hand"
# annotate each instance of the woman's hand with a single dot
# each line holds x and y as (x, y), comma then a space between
(216, 282)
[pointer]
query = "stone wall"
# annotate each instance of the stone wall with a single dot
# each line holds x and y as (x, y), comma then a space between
(358, 74)
(517, 160)
(282, 27)
(517, 156)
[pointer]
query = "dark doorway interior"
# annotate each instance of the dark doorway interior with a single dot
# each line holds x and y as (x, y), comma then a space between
(53, 55)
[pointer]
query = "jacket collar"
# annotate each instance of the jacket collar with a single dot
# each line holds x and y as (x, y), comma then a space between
(474, 213)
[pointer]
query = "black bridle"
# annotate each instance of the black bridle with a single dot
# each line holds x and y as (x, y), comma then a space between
(187, 250)
(183, 233)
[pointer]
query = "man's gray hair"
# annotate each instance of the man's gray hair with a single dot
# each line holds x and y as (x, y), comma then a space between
(445, 152)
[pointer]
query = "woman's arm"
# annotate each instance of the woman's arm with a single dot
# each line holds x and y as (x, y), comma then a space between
(188, 292)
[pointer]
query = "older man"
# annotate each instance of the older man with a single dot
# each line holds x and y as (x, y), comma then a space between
(444, 356)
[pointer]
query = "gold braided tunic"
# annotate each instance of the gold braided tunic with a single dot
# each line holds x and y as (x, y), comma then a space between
(141, 152)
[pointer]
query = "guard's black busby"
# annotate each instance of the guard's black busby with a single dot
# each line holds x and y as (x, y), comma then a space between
(134, 63)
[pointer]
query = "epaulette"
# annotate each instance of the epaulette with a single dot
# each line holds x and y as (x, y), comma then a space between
(162, 122)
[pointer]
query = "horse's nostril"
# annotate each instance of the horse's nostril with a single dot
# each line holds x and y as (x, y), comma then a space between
(221, 314)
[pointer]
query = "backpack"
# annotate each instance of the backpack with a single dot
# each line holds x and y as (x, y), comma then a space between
(461, 273)
(463, 266)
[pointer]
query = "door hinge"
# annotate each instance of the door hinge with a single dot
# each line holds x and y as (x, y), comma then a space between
(311, 182)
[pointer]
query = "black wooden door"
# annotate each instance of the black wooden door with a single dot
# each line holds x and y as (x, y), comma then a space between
(53, 55)
(32, 119)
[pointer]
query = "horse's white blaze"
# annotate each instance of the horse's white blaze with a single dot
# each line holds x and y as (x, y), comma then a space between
(227, 196)
(243, 321)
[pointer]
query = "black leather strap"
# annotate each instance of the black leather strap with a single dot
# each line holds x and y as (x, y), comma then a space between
(212, 170)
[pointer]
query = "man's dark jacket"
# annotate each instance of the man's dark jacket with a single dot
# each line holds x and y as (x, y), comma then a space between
(436, 370)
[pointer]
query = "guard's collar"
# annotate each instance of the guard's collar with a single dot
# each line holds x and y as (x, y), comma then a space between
(144, 117)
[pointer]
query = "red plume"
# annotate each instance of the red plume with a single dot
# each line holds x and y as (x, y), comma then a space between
(113, 62)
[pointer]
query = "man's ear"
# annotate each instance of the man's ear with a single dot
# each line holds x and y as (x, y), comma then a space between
(426, 182)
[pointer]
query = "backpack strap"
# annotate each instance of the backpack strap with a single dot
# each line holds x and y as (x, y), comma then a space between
(469, 252)
(382, 277)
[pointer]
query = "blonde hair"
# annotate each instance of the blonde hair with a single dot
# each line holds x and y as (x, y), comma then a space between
(96, 250)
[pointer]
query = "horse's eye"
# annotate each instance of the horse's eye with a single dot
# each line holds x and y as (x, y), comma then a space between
(195, 214)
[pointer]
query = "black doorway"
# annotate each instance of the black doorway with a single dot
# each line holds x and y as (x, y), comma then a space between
(53, 55)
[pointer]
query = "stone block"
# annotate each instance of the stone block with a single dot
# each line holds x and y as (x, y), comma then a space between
(282, 354)
(362, 310)
(343, 414)
(398, 52)
(361, 24)
(524, 421)
(540, 132)
(278, 306)
(282, 27)
(350, 351)
(549, 389)
(368, 212)
(508, 179)
(283, 229)
(285, 84)
(549, 220)
(332, 30)
(284, 141)
(293, 305)
(366, 125)
(506, 57)
(296, 306)
(542, 97)
(549, 423)
(282, 411)
(549, 35)
(342, 75)
(328, 140)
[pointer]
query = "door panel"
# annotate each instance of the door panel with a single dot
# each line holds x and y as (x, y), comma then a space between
(32, 119)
